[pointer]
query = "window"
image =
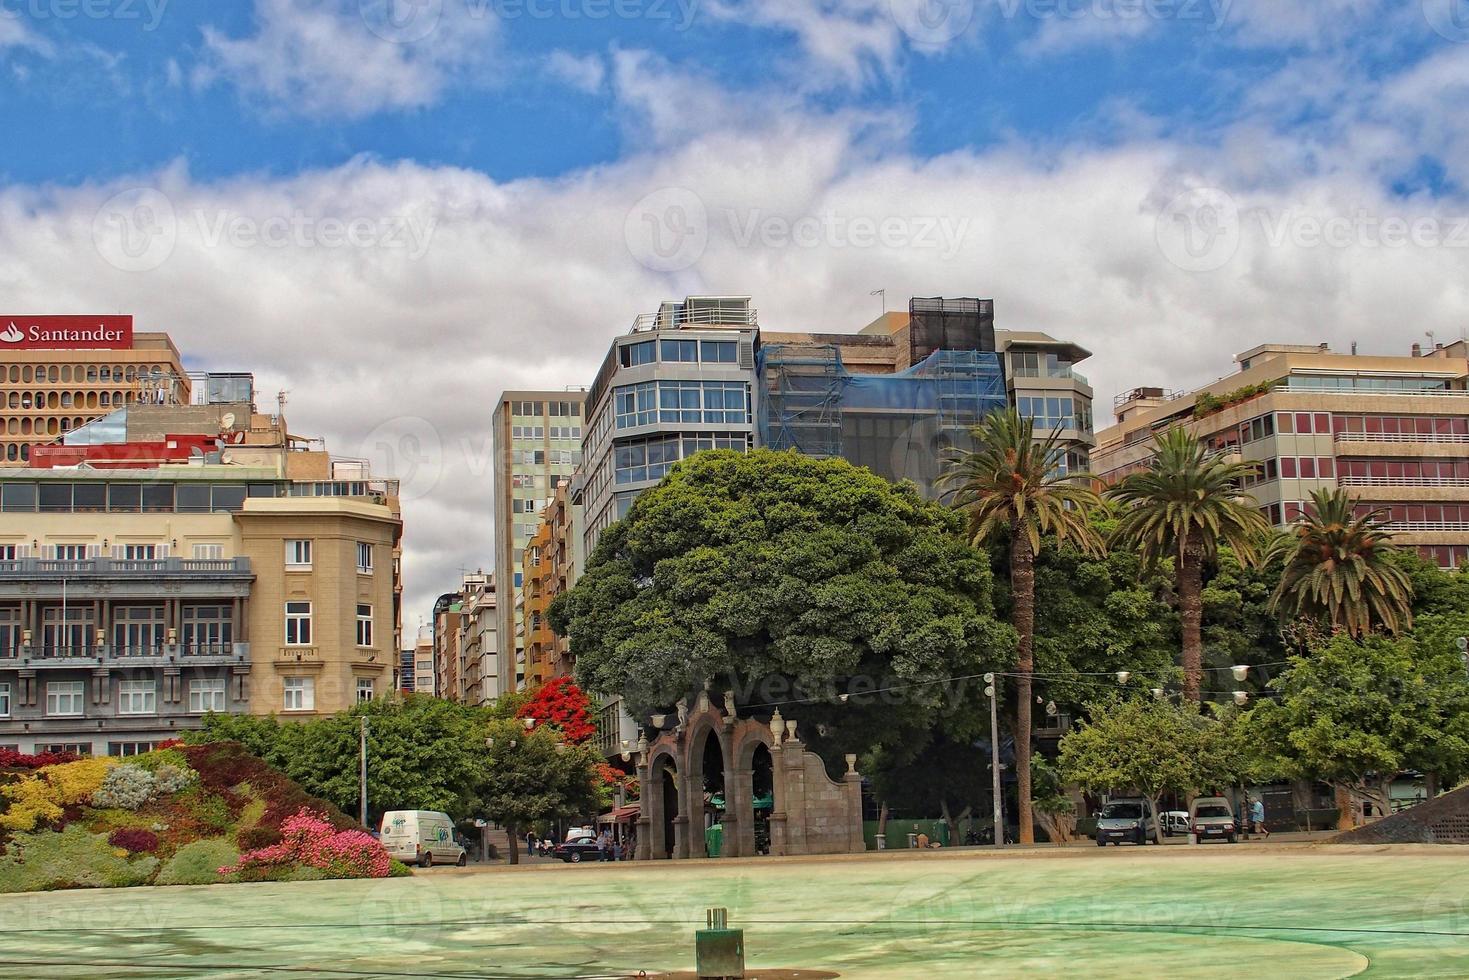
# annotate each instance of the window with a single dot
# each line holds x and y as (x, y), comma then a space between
(720, 351)
(680, 350)
(137, 631)
(364, 625)
(66, 631)
(634, 354)
(207, 629)
(298, 624)
(208, 552)
(206, 694)
(298, 553)
(124, 749)
(139, 552)
(364, 689)
(300, 694)
(137, 697)
(364, 558)
(635, 404)
(68, 748)
(5, 700)
(64, 697)
(69, 552)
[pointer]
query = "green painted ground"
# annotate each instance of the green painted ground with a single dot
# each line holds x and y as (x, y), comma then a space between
(1277, 911)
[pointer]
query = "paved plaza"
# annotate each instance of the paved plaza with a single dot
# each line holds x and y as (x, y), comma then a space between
(1299, 911)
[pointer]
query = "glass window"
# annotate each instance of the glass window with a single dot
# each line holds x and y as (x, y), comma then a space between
(298, 553)
(298, 624)
(193, 498)
(137, 697)
(720, 352)
(364, 689)
(364, 558)
(19, 497)
(300, 694)
(635, 404)
(5, 700)
(89, 498)
(680, 350)
(208, 629)
(227, 497)
(55, 498)
(1025, 364)
(65, 697)
(158, 498)
(206, 694)
(641, 353)
(124, 498)
(137, 631)
(364, 625)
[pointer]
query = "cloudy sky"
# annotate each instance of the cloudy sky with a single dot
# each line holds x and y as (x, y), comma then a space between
(397, 208)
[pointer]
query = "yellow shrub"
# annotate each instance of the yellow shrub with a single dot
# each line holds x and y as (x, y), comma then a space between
(40, 797)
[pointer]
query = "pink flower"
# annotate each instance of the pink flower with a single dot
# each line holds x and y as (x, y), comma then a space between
(309, 839)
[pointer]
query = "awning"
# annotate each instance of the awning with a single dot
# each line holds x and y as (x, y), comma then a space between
(622, 814)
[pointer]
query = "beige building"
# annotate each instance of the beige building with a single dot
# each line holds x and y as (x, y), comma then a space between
(135, 597)
(536, 440)
(1392, 430)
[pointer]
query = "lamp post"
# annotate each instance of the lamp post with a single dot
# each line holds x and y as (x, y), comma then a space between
(995, 760)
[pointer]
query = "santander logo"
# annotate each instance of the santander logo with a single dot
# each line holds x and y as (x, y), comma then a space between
(12, 335)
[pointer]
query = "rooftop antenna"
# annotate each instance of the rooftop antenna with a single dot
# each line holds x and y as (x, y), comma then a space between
(884, 294)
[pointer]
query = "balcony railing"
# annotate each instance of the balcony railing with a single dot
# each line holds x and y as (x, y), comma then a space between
(1452, 438)
(41, 654)
(711, 316)
(72, 568)
(1427, 526)
(1402, 481)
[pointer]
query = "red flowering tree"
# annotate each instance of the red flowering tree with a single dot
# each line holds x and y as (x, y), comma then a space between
(564, 706)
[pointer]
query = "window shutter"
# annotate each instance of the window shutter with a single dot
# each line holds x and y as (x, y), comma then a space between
(48, 551)
(117, 552)
(94, 551)
(163, 550)
(23, 551)
(747, 354)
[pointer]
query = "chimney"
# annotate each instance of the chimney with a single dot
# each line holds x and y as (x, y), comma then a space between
(1354, 348)
(1417, 351)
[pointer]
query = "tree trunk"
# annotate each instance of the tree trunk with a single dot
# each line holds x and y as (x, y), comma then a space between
(1022, 586)
(882, 818)
(1191, 617)
(514, 843)
(1430, 783)
(949, 821)
(1348, 811)
(1157, 820)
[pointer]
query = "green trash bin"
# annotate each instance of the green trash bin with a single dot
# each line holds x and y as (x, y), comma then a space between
(714, 840)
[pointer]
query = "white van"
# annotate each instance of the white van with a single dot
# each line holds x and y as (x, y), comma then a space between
(421, 837)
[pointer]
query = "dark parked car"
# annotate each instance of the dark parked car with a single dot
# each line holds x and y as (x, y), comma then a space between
(576, 851)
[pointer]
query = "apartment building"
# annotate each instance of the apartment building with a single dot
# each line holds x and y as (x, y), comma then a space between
(139, 592)
(449, 666)
(536, 441)
(1392, 430)
(479, 632)
(424, 674)
(1043, 384)
(61, 372)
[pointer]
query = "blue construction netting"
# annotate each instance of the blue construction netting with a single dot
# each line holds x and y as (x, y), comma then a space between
(900, 425)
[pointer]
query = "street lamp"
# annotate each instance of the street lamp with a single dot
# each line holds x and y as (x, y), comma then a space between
(1123, 676)
(1240, 672)
(989, 679)
(1241, 698)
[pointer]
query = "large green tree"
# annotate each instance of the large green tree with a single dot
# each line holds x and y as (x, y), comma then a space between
(1183, 507)
(1151, 747)
(1338, 569)
(1354, 713)
(792, 581)
(1014, 488)
(531, 775)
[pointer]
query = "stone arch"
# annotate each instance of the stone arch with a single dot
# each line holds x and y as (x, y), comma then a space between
(700, 730)
(749, 737)
(663, 835)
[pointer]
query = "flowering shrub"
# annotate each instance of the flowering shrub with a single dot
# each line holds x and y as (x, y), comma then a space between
(126, 787)
(42, 796)
(11, 759)
(134, 840)
(308, 839)
(169, 778)
(564, 706)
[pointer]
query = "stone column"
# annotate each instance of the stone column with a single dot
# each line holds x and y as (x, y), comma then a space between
(795, 783)
(778, 814)
(852, 789)
(644, 849)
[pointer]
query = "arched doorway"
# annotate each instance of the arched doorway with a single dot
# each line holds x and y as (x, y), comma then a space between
(664, 848)
(712, 802)
(762, 797)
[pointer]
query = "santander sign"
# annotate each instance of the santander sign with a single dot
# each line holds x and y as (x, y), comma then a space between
(65, 332)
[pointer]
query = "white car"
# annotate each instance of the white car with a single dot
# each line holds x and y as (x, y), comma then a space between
(421, 837)
(1175, 823)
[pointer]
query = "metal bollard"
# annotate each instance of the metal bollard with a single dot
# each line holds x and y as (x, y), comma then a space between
(719, 951)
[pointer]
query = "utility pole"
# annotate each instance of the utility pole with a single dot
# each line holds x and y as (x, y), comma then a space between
(362, 768)
(995, 760)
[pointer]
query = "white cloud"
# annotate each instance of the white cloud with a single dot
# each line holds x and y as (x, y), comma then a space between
(405, 340)
(342, 57)
(586, 73)
(16, 35)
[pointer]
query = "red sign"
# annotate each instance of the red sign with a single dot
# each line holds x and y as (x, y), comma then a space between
(65, 333)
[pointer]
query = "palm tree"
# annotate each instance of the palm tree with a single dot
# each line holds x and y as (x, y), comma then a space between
(1183, 506)
(1012, 486)
(1338, 570)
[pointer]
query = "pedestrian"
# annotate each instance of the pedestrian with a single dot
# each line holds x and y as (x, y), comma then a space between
(602, 846)
(530, 842)
(1257, 817)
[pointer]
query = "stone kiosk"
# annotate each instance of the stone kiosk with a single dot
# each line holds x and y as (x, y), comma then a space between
(811, 813)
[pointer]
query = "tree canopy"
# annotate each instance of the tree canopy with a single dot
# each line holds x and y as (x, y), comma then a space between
(787, 579)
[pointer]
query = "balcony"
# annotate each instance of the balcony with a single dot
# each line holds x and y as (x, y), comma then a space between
(58, 568)
(1448, 438)
(1402, 481)
(1427, 527)
(200, 655)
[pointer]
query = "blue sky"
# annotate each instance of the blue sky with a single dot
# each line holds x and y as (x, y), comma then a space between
(1166, 182)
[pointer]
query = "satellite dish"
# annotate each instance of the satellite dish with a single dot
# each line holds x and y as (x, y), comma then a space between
(228, 422)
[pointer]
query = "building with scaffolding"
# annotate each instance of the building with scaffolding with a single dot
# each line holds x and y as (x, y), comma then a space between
(895, 398)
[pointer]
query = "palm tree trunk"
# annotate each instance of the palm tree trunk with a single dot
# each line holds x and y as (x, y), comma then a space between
(1191, 616)
(1022, 587)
